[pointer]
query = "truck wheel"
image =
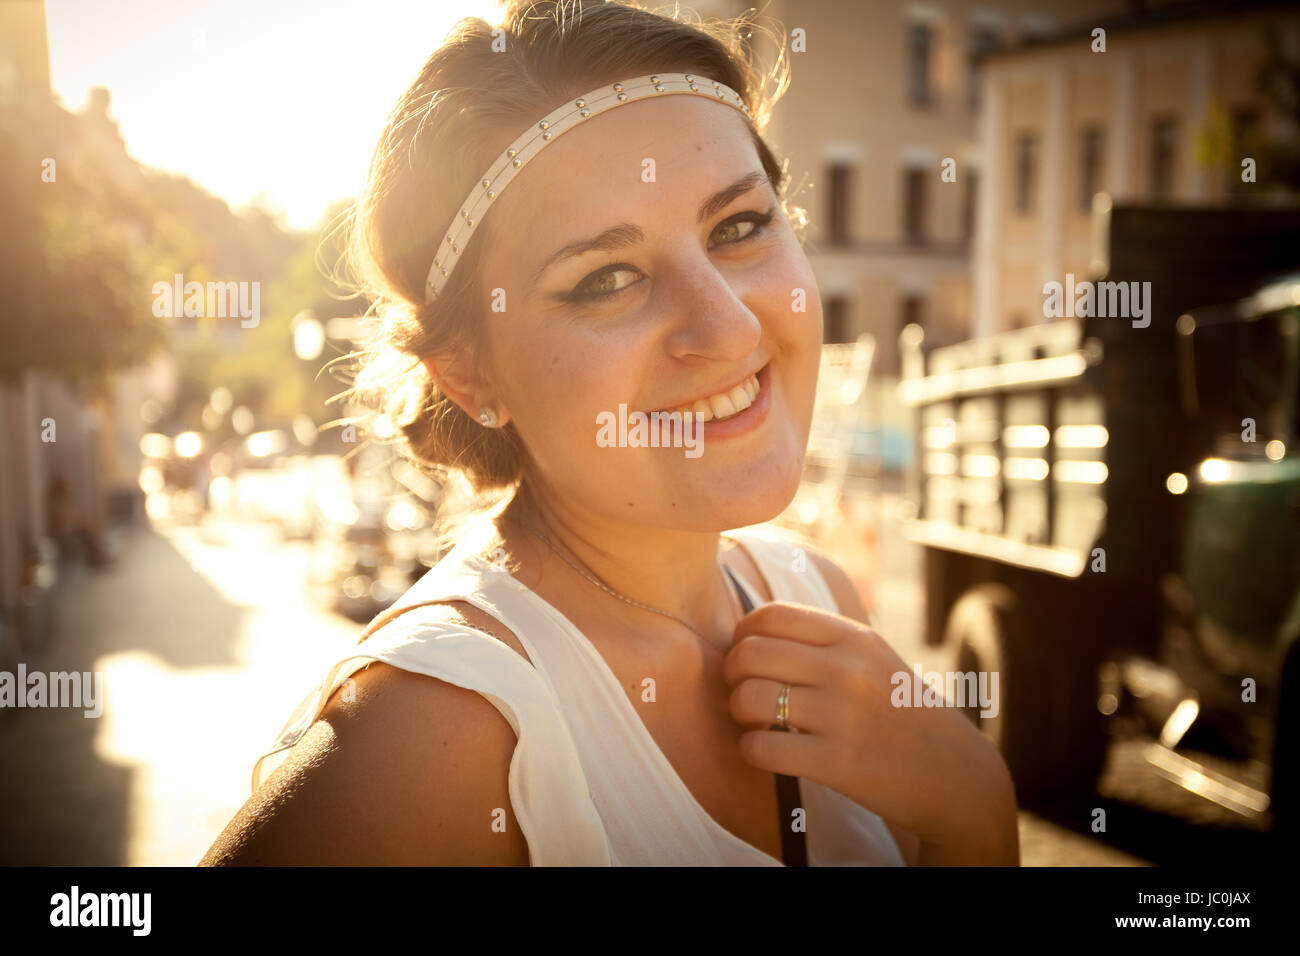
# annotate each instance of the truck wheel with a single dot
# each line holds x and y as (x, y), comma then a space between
(1047, 725)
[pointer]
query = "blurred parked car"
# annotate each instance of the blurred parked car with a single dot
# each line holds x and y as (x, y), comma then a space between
(372, 533)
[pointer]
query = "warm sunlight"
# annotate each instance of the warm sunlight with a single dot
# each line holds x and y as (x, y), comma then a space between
(216, 91)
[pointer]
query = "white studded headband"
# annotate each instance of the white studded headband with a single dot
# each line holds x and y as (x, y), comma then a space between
(506, 166)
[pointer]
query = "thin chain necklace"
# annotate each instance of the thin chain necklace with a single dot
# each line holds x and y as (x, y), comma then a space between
(590, 576)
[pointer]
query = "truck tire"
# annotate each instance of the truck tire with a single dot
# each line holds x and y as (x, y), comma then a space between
(1047, 725)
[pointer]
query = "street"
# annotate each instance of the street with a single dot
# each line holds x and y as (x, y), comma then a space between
(206, 643)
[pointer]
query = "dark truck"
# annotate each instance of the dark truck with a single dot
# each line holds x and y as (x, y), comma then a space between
(1109, 509)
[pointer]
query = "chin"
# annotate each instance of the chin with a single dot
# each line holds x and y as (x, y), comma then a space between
(759, 494)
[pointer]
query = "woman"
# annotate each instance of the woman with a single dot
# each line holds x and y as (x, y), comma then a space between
(578, 681)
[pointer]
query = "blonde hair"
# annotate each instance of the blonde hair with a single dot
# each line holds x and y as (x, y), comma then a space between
(467, 104)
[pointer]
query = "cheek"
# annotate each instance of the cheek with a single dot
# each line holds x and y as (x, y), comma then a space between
(556, 390)
(789, 290)
(794, 310)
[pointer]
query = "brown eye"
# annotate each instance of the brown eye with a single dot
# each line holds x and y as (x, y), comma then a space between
(729, 230)
(602, 284)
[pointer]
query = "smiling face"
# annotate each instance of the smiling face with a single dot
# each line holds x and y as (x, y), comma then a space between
(692, 293)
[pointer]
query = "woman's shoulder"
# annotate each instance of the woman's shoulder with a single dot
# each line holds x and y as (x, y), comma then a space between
(457, 613)
(425, 647)
(442, 598)
(392, 752)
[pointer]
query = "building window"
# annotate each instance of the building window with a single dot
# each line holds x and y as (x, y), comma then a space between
(920, 39)
(1035, 27)
(838, 214)
(836, 328)
(968, 209)
(914, 206)
(983, 41)
(910, 311)
(1090, 157)
(1164, 157)
(1245, 142)
(1026, 171)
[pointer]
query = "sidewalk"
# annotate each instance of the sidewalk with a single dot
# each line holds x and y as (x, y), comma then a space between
(205, 642)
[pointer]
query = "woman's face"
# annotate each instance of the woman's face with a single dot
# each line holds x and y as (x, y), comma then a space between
(690, 294)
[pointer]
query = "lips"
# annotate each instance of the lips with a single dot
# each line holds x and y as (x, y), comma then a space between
(723, 404)
(744, 422)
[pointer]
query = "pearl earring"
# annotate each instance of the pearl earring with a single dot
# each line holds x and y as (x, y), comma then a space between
(487, 417)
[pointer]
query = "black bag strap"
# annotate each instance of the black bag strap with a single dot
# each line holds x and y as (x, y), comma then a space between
(793, 845)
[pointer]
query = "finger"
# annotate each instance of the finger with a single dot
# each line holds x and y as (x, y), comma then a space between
(753, 703)
(797, 622)
(796, 755)
(791, 662)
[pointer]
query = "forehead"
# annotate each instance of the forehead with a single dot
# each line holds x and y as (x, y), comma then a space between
(592, 176)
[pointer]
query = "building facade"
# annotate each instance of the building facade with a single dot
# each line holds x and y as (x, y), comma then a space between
(1165, 110)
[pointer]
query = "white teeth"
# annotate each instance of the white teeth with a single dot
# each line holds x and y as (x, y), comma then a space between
(724, 404)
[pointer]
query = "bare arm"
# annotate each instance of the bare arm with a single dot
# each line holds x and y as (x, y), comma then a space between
(408, 773)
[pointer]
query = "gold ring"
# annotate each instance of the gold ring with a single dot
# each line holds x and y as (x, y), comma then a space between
(783, 708)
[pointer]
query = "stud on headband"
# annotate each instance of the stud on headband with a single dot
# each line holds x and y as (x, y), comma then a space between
(559, 121)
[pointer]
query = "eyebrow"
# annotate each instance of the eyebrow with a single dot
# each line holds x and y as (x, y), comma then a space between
(627, 234)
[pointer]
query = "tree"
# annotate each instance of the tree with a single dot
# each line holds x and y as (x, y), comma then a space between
(72, 262)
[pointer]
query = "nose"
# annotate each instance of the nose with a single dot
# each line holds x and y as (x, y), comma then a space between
(709, 318)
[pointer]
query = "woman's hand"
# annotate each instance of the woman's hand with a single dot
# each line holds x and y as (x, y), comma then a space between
(927, 769)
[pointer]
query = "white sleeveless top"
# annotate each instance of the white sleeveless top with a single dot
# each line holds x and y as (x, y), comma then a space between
(588, 784)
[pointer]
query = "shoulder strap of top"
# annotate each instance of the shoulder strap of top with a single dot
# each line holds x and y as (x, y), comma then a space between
(791, 574)
(794, 850)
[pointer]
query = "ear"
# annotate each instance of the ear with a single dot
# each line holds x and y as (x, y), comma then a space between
(455, 380)
(460, 381)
